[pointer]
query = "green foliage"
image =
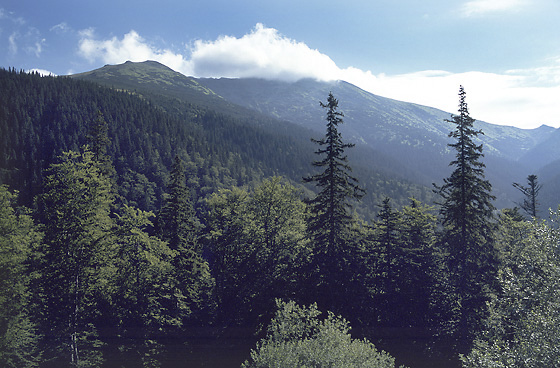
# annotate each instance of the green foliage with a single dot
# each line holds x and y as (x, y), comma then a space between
(330, 220)
(41, 117)
(143, 299)
(18, 240)
(523, 324)
(178, 225)
(466, 212)
(107, 280)
(531, 192)
(403, 259)
(76, 253)
(258, 246)
(297, 337)
(330, 208)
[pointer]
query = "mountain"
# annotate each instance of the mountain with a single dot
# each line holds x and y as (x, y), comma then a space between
(412, 133)
(400, 139)
(416, 136)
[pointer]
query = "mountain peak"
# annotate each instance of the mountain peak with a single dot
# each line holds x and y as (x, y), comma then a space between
(149, 76)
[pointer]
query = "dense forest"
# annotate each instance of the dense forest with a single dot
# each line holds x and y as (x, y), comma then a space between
(126, 230)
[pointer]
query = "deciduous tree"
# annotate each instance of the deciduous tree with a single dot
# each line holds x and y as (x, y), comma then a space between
(297, 337)
(77, 250)
(19, 239)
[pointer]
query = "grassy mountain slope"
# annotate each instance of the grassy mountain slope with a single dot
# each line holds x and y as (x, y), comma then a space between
(416, 136)
(371, 119)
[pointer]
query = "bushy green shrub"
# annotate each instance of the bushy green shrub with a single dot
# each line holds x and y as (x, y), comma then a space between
(523, 322)
(297, 337)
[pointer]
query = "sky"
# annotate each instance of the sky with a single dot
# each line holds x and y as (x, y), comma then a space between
(506, 53)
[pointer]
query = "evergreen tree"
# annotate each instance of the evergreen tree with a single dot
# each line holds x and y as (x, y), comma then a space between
(98, 139)
(418, 275)
(530, 203)
(178, 225)
(385, 258)
(467, 212)
(98, 144)
(330, 219)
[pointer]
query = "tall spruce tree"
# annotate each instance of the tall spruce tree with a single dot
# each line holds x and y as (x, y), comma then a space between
(178, 225)
(386, 259)
(329, 224)
(467, 212)
(530, 203)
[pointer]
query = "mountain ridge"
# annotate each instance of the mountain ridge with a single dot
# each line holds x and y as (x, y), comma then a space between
(414, 136)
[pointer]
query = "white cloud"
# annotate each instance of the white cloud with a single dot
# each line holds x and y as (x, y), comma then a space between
(60, 28)
(42, 72)
(13, 46)
(262, 53)
(524, 98)
(132, 47)
(480, 7)
(37, 48)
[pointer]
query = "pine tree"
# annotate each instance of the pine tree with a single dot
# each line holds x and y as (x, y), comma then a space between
(332, 204)
(530, 203)
(330, 221)
(177, 223)
(467, 212)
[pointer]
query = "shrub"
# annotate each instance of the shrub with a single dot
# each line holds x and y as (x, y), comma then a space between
(297, 337)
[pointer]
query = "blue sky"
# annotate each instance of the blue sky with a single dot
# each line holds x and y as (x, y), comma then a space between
(506, 53)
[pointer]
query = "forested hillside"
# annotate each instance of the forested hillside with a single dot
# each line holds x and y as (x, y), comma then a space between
(396, 139)
(413, 136)
(138, 230)
(44, 116)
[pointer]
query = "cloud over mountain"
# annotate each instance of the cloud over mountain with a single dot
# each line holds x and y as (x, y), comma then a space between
(511, 97)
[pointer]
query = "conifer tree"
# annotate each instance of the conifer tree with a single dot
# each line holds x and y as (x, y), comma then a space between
(385, 258)
(98, 141)
(530, 203)
(418, 276)
(467, 212)
(337, 187)
(178, 225)
(330, 221)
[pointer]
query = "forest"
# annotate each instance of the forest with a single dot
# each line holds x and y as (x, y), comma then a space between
(125, 231)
